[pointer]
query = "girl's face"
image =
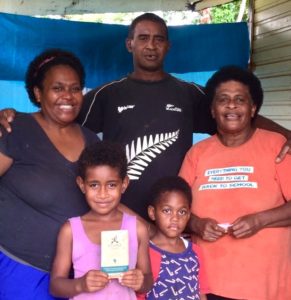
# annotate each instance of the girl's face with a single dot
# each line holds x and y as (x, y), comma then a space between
(61, 96)
(171, 213)
(232, 107)
(102, 187)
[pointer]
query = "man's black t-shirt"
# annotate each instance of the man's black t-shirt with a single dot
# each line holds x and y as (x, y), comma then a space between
(154, 121)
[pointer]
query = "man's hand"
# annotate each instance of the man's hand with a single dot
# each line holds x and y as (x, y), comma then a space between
(6, 117)
(286, 149)
(265, 123)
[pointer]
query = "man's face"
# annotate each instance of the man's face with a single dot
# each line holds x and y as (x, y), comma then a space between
(149, 46)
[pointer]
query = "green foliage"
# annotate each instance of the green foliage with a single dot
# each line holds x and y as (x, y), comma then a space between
(228, 12)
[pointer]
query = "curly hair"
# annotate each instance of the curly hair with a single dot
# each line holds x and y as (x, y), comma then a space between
(104, 153)
(169, 184)
(43, 62)
(147, 17)
(246, 77)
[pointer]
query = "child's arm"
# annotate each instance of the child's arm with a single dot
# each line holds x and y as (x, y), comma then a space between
(61, 285)
(141, 278)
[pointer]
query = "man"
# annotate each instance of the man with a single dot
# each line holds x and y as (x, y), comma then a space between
(150, 112)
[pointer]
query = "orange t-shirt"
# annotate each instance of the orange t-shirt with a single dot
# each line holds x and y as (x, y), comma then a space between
(230, 182)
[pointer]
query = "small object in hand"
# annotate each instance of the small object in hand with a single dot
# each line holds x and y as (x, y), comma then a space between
(225, 226)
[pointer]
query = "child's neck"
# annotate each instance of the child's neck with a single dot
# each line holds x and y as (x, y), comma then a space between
(110, 221)
(170, 244)
(95, 223)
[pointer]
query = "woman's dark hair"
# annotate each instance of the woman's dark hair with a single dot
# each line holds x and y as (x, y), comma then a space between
(147, 17)
(43, 62)
(103, 153)
(238, 74)
(169, 184)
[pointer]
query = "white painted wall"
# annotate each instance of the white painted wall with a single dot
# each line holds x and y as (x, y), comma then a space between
(272, 57)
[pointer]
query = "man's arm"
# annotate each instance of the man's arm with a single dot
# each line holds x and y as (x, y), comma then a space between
(7, 116)
(265, 123)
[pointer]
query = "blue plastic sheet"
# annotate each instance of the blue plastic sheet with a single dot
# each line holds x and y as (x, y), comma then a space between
(196, 51)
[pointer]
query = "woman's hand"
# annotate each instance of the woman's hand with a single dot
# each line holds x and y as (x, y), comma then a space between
(133, 279)
(246, 226)
(208, 229)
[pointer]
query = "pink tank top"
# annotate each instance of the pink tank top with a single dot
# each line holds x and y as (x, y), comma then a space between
(86, 256)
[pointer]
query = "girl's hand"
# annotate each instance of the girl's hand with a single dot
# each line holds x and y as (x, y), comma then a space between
(133, 279)
(246, 226)
(92, 281)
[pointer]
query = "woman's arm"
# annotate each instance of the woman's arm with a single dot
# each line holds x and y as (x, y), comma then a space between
(61, 285)
(250, 224)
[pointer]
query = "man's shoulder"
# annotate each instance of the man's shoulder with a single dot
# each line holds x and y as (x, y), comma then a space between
(192, 86)
(107, 87)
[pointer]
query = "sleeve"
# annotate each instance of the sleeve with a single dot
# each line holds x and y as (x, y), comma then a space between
(188, 167)
(203, 282)
(91, 114)
(4, 142)
(11, 143)
(203, 120)
(90, 136)
(283, 176)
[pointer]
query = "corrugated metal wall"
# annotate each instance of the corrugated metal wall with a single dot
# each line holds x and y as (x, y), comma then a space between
(272, 57)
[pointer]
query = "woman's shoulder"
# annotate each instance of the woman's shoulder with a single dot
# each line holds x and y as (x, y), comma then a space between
(204, 144)
(89, 135)
(269, 137)
(22, 125)
(22, 119)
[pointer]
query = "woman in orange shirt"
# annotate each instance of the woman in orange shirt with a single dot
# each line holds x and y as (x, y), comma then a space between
(241, 208)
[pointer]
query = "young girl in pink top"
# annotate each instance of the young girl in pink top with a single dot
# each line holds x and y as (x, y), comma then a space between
(102, 179)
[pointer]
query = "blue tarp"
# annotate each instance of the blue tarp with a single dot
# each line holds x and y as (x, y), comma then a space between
(196, 51)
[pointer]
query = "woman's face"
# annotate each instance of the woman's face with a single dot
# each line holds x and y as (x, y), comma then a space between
(61, 96)
(232, 107)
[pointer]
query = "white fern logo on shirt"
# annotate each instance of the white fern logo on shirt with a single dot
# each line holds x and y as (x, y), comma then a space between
(143, 151)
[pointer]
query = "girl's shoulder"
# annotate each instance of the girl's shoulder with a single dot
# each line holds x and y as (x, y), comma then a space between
(142, 229)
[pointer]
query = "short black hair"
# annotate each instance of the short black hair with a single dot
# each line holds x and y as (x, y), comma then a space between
(147, 17)
(169, 184)
(104, 153)
(43, 62)
(238, 74)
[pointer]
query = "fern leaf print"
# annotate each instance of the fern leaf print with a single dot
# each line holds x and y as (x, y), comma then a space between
(144, 150)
